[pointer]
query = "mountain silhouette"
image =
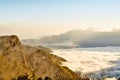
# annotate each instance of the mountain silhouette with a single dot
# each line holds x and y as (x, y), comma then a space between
(78, 38)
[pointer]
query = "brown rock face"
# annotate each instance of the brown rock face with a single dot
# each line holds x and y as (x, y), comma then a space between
(7, 42)
(11, 46)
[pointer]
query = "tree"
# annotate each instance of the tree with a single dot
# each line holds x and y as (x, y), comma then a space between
(47, 78)
(39, 78)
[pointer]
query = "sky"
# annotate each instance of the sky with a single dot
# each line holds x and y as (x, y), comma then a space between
(36, 18)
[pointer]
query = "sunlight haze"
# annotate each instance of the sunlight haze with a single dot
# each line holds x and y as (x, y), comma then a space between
(37, 18)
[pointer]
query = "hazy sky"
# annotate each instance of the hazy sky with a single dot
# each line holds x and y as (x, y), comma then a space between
(35, 18)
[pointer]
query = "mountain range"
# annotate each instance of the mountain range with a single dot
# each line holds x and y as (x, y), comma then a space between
(78, 38)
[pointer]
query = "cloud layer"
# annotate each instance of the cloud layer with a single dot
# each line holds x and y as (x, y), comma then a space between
(99, 63)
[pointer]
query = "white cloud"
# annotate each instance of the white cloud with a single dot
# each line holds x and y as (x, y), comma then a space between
(100, 63)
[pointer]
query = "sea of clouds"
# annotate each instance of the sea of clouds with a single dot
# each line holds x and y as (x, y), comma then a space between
(101, 63)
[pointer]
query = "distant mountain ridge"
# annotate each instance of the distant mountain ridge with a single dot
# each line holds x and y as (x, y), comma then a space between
(78, 38)
(65, 40)
(102, 39)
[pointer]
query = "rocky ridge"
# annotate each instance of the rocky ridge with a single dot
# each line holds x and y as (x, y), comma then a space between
(17, 59)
